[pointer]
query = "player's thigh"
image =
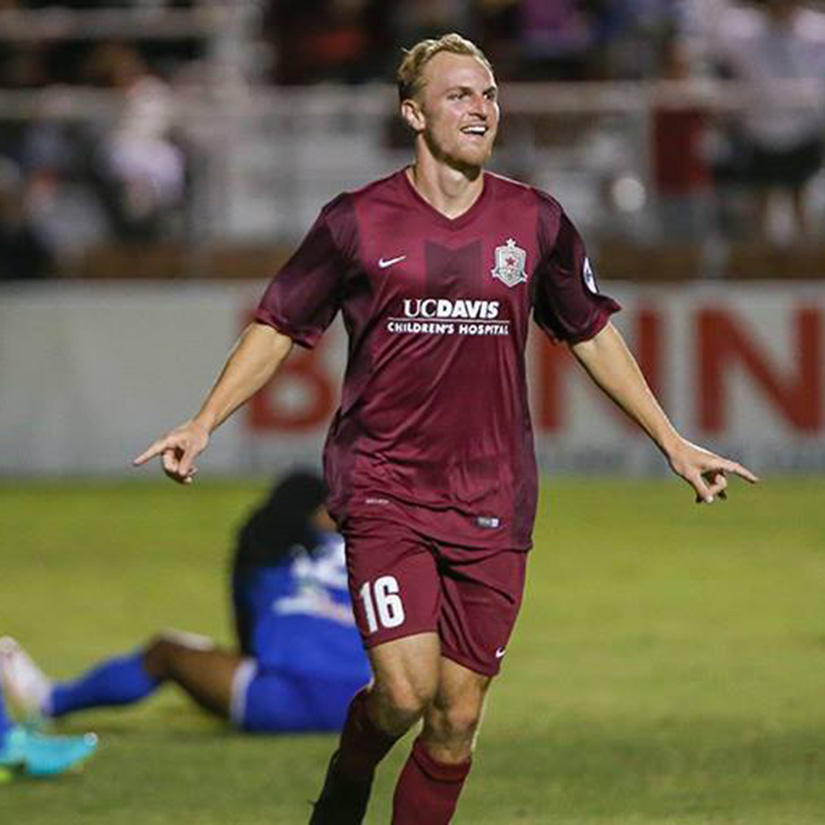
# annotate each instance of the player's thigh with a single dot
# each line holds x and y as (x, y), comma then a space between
(279, 702)
(206, 674)
(481, 599)
(458, 685)
(393, 580)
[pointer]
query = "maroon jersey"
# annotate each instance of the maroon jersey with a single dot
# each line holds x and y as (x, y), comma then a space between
(434, 425)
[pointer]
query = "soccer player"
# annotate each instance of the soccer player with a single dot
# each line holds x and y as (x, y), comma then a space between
(299, 659)
(429, 460)
(24, 752)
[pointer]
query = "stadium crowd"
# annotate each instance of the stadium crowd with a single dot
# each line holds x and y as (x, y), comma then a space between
(69, 184)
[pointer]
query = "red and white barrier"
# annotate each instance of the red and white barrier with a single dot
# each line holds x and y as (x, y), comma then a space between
(90, 373)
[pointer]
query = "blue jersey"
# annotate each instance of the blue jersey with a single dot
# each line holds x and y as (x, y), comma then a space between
(298, 615)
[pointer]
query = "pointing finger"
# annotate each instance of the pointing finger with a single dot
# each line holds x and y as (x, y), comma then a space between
(733, 467)
(744, 472)
(153, 450)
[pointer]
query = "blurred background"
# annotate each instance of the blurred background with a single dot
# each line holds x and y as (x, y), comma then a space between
(159, 160)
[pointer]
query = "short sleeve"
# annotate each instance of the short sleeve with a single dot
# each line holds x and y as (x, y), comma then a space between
(567, 303)
(304, 297)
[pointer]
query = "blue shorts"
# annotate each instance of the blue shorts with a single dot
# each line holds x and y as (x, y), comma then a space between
(278, 702)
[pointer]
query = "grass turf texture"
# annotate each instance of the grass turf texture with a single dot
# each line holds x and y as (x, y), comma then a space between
(668, 667)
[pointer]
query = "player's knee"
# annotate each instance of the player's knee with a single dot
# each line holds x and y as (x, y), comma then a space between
(401, 704)
(452, 721)
(159, 652)
(457, 723)
(155, 655)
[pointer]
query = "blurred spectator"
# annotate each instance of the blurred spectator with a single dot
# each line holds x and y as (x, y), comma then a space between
(44, 153)
(329, 40)
(137, 166)
(781, 139)
(24, 254)
(23, 65)
(630, 34)
(698, 21)
(556, 39)
(680, 172)
(419, 19)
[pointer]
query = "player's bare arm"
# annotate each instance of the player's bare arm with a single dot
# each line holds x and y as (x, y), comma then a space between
(610, 364)
(254, 359)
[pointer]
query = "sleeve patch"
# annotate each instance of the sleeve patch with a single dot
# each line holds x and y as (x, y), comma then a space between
(589, 277)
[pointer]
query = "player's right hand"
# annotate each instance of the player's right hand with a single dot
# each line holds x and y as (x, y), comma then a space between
(178, 450)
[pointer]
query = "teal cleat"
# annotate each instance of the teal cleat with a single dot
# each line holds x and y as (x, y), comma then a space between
(28, 753)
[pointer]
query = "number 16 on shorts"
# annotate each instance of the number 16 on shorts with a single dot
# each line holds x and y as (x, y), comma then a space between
(382, 603)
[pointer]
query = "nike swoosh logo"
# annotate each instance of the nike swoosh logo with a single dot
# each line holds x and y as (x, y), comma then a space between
(383, 264)
(500, 653)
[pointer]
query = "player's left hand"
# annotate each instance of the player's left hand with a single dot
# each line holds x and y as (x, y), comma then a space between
(705, 471)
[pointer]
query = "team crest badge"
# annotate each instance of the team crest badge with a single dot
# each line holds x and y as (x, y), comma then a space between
(510, 264)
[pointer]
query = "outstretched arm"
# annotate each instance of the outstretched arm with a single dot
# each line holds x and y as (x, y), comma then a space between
(613, 368)
(253, 361)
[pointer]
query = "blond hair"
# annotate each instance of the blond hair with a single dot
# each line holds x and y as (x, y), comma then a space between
(410, 75)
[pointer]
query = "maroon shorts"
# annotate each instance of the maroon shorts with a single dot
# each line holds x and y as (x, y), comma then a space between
(403, 583)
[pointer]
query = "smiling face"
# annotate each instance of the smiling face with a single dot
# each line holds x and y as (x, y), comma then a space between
(456, 111)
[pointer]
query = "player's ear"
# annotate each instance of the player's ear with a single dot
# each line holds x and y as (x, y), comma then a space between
(413, 115)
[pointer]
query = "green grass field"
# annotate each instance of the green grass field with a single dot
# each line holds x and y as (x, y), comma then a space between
(668, 667)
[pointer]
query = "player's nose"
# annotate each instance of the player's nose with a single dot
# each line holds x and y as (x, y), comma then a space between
(478, 106)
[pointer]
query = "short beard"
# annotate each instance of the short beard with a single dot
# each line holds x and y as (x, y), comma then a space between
(470, 170)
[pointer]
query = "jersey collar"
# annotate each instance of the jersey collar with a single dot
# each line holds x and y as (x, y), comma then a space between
(439, 217)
